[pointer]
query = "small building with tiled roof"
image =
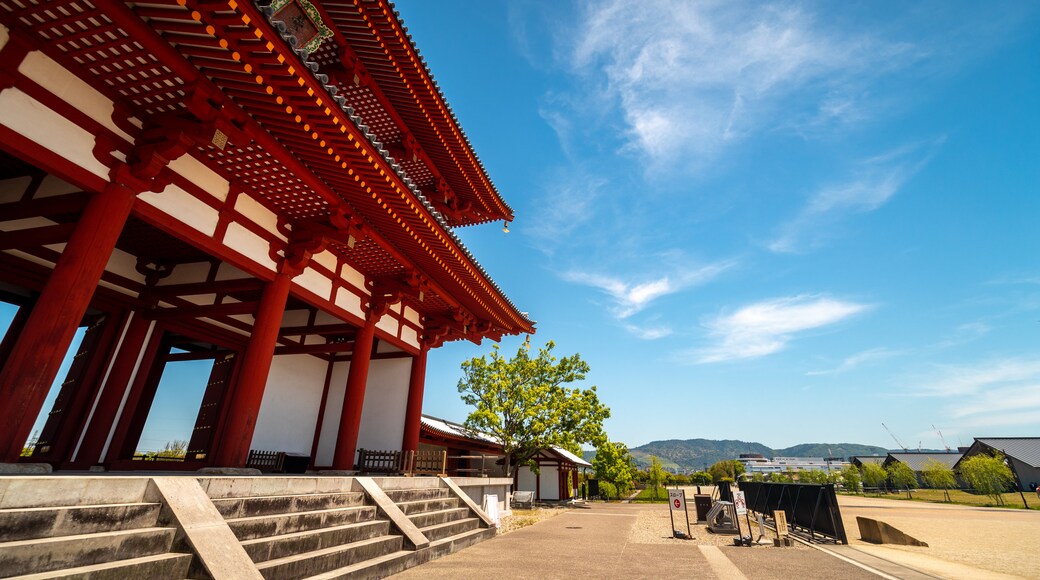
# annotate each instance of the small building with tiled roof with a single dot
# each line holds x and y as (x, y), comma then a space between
(919, 460)
(861, 460)
(1023, 455)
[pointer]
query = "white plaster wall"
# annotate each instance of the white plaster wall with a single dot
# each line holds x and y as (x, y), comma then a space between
(248, 244)
(386, 399)
(388, 324)
(289, 410)
(187, 209)
(350, 302)
(526, 480)
(333, 410)
(205, 178)
(186, 274)
(550, 483)
(317, 283)
(35, 121)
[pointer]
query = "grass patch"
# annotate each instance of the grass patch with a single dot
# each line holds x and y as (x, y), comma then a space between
(1011, 500)
(646, 496)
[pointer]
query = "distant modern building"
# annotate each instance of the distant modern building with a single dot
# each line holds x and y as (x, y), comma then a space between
(1023, 454)
(757, 463)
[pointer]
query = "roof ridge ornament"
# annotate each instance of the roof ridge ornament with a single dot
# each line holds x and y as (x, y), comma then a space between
(302, 22)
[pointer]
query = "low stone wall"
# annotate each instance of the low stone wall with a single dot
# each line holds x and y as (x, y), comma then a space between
(478, 487)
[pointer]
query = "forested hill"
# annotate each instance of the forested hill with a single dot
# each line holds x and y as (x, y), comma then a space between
(694, 454)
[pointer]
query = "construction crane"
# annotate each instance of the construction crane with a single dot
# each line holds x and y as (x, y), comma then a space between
(898, 442)
(941, 438)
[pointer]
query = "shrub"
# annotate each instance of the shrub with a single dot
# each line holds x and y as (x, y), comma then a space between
(607, 490)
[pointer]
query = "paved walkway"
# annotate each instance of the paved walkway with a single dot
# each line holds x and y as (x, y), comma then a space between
(596, 541)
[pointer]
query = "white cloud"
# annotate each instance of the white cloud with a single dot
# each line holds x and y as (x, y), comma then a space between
(873, 183)
(992, 394)
(856, 360)
(692, 77)
(632, 297)
(766, 327)
(570, 203)
(648, 333)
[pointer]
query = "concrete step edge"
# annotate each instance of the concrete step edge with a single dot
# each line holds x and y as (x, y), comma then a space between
(324, 551)
(247, 519)
(107, 566)
(76, 507)
(81, 537)
(461, 536)
(316, 531)
(360, 495)
(354, 569)
(417, 515)
(451, 523)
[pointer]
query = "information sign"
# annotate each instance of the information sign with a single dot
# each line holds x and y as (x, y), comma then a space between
(491, 508)
(780, 517)
(740, 503)
(677, 499)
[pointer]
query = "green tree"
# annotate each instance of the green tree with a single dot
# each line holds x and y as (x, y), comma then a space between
(939, 476)
(176, 449)
(988, 475)
(874, 475)
(608, 490)
(613, 463)
(700, 478)
(813, 476)
(727, 468)
(902, 476)
(680, 479)
(850, 477)
(522, 403)
(655, 476)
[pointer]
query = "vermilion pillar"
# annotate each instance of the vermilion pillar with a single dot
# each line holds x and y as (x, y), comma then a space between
(244, 406)
(354, 398)
(413, 415)
(34, 361)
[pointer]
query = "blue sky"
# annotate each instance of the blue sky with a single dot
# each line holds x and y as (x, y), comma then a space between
(781, 223)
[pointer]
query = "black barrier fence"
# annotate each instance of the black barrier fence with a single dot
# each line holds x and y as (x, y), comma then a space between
(812, 508)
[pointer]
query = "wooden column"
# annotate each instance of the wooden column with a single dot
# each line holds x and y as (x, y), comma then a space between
(34, 361)
(244, 406)
(106, 411)
(413, 415)
(354, 397)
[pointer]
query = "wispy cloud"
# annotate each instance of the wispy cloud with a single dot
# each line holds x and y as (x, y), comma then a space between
(964, 334)
(995, 394)
(856, 360)
(711, 73)
(767, 327)
(874, 181)
(630, 297)
(570, 203)
(648, 332)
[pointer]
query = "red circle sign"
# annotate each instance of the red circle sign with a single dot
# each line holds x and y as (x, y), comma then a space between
(678, 504)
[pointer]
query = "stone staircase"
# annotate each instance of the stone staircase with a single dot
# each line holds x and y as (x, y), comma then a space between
(99, 531)
(289, 528)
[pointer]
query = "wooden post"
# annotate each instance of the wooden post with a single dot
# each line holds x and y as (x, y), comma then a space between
(35, 358)
(354, 397)
(413, 415)
(244, 406)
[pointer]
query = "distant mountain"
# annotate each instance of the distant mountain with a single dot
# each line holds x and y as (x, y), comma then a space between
(695, 454)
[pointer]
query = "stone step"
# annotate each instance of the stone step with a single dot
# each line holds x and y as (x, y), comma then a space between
(425, 519)
(46, 522)
(452, 544)
(46, 554)
(380, 567)
(240, 507)
(281, 546)
(321, 561)
(453, 528)
(427, 505)
(55, 491)
(155, 566)
(427, 493)
(271, 525)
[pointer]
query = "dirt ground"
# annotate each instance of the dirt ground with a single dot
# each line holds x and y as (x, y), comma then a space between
(974, 540)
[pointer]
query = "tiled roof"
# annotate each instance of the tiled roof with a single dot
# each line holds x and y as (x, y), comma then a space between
(1024, 449)
(918, 461)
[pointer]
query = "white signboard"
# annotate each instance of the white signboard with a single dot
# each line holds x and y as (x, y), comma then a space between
(740, 503)
(491, 508)
(677, 500)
